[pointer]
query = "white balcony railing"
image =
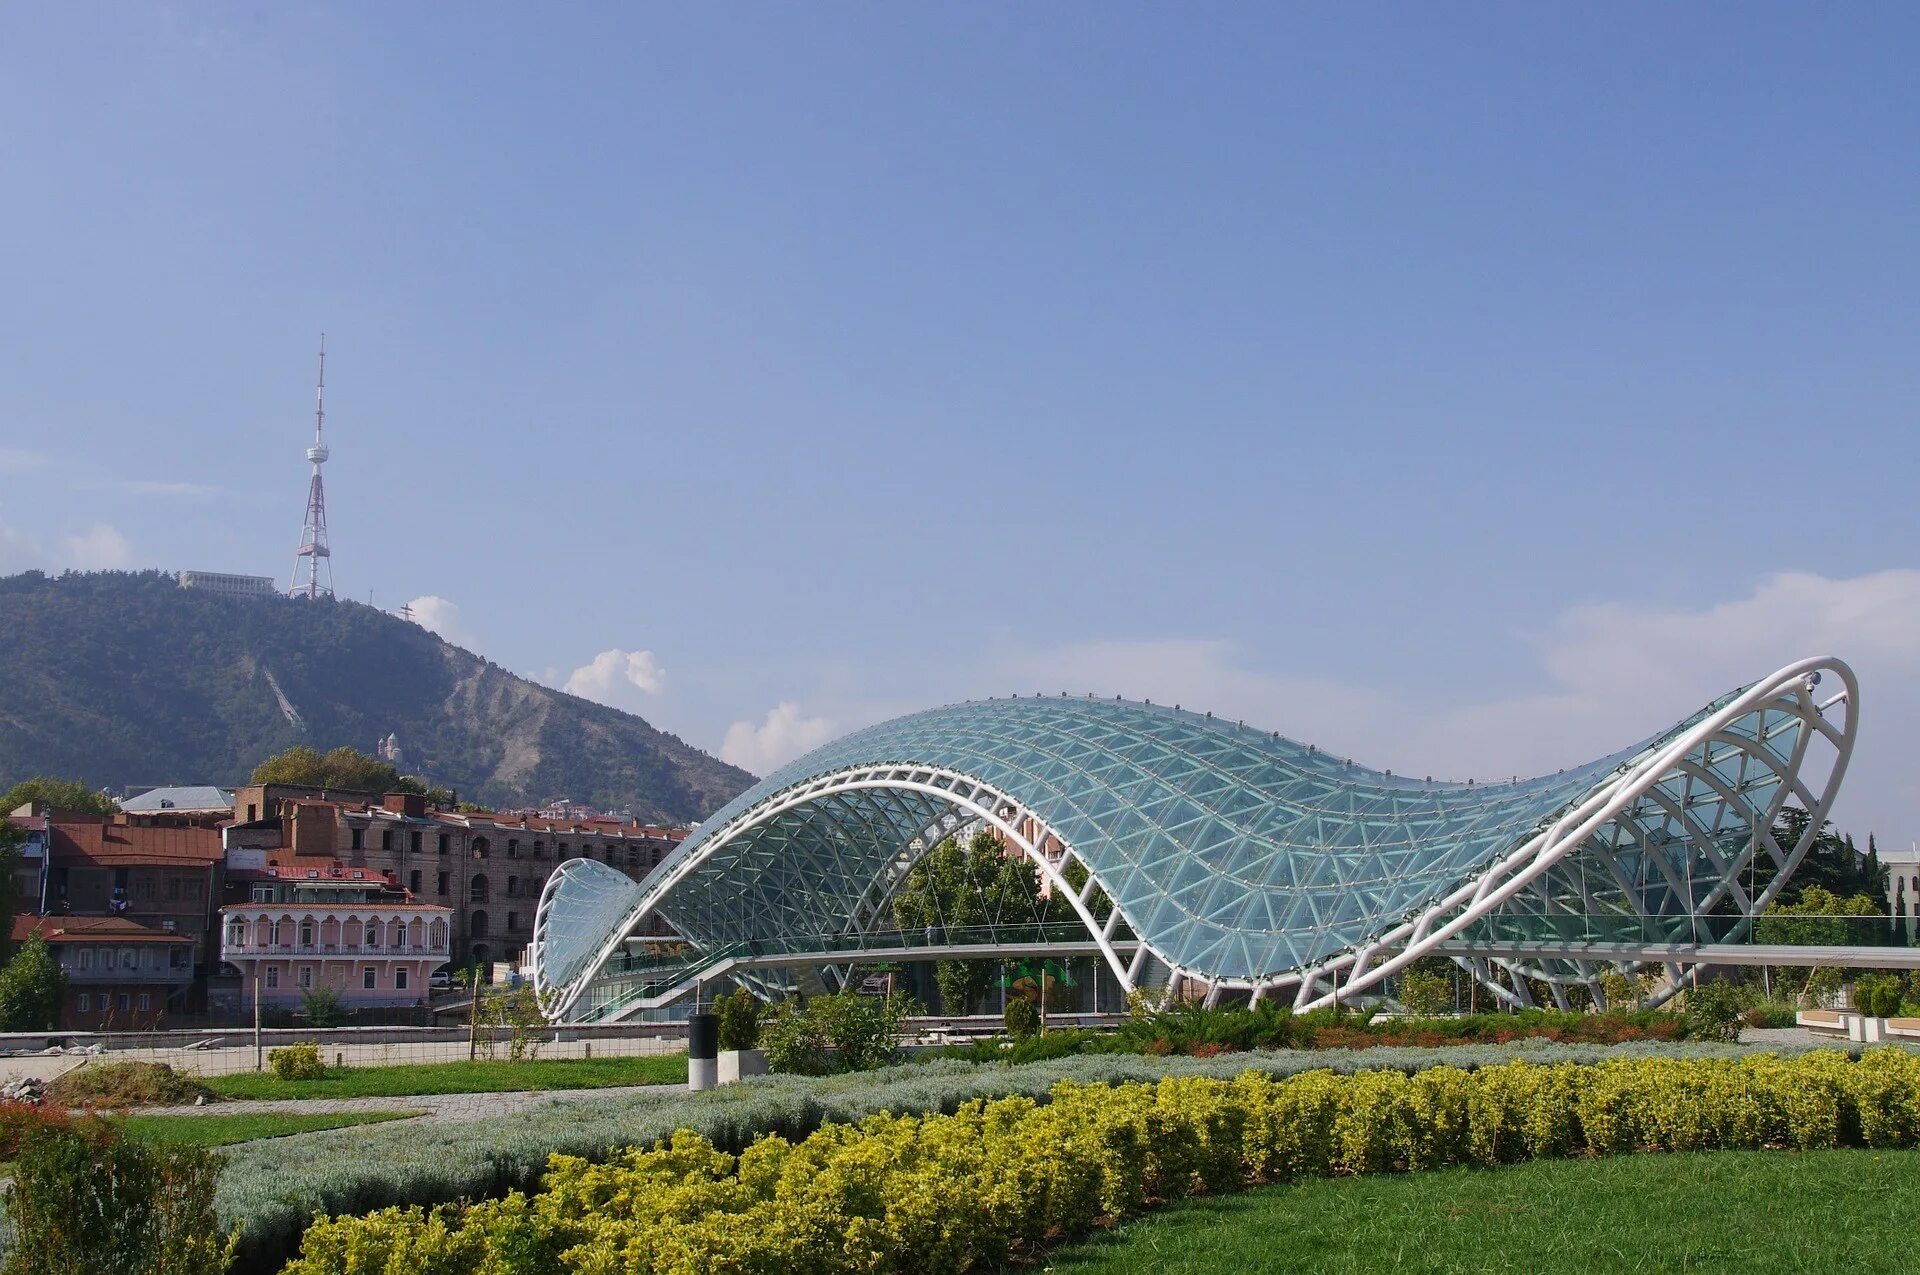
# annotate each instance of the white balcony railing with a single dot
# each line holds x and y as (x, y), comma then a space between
(411, 951)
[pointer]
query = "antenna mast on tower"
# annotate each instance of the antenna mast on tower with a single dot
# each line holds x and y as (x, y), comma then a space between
(313, 553)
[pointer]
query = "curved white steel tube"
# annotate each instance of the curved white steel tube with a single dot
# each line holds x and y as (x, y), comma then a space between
(557, 1001)
(1514, 872)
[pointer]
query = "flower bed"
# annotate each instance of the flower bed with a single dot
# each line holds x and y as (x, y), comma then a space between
(998, 1179)
(272, 1189)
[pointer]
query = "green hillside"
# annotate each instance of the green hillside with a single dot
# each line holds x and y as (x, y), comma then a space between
(124, 678)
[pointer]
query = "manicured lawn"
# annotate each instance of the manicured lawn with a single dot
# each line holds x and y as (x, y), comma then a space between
(220, 1131)
(1762, 1211)
(459, 1077)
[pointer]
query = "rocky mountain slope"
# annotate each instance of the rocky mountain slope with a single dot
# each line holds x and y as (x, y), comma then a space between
(125, 678)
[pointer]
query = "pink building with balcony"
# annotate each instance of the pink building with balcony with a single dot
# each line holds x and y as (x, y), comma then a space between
(353, 930)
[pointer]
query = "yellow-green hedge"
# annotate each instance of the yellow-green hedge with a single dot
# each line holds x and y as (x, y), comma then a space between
(927, 1193)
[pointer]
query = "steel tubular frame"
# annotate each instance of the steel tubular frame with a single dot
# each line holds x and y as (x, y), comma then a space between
(1599, 826)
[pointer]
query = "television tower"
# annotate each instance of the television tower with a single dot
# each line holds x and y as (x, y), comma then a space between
(313, 554)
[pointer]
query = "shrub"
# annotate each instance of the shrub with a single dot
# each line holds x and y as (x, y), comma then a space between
(32, 985)
(320, 1006)
(276, 1186)
(995, 1178)
(1770, 1014)
(844, 1032)
(1878, 996)
(739, 1014)
(19, 1119)
(1424, 994)
(85, 1201)
(126, 1084)
(1021, 1018)
(1714, 1010)
(297, 1062)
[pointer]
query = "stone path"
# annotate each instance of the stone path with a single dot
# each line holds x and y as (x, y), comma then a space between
(446, 1108)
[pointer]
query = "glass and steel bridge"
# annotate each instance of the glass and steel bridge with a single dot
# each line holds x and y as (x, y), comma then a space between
(1206, 857)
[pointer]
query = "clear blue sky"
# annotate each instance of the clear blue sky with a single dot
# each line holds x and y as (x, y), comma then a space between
(1470, 388)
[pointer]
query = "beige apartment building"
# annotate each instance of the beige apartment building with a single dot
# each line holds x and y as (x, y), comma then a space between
(487, 869)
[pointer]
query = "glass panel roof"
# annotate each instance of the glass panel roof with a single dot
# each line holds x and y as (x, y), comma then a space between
(1235, 852)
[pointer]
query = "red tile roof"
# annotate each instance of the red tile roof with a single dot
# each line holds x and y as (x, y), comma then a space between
(133, 845)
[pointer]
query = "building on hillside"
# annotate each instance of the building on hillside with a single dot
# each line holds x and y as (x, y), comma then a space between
(487, 868)
(165, 878)
(353, 931)
(122, 975)
(30, 875)
(225, 585)
(201, 804)
(388, 750)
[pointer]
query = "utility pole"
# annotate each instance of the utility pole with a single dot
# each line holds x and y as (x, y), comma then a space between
(473, 1012)
(259, 1063)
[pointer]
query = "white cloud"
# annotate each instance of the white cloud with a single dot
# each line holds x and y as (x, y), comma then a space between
(14, 460)
(151, 487)
(1611, 665)
(1608, 674)
(785, 734)
(18, 551)
(612, 672)
(98, 548)
(438, 615)
(1205, 674)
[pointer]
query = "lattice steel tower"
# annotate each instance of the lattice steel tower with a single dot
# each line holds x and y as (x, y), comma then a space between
(313, 558)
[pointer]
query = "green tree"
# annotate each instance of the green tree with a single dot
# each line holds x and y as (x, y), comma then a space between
(953, 889)
(62, 794)
(32, 986)
(10, 860)
(343, 768)
(1832, 863)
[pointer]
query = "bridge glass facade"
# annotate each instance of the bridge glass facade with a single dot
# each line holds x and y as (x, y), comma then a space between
(1237, 857)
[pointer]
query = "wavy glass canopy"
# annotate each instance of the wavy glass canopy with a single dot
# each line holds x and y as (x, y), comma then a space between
(1237, 858)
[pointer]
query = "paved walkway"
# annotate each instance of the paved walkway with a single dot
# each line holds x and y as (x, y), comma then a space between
(236, 1054)
(445, 1108)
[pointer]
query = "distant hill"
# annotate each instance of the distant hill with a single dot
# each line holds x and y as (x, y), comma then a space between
(122, 678)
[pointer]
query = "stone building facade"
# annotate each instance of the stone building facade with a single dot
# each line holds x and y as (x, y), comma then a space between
(487, 869)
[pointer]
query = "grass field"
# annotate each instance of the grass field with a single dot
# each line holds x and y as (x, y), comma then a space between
(458, 1077)
(1753, 1212)
(220, 1131)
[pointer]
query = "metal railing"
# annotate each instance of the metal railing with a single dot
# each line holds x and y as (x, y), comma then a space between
(634, 979)
(1693, 930)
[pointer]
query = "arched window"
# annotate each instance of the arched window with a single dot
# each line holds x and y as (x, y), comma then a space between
(439, 932)
(480, 847)
(306, 932)
(477, 889)
(416, 933)
(478, 926)
(373, 934)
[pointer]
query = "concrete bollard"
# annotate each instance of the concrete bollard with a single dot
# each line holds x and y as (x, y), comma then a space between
(703, 1052)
